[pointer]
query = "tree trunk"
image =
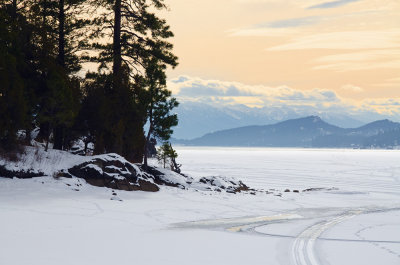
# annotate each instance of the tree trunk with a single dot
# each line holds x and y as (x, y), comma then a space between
(58, 134)
(117, 59)
(58, 130)
(14, 10)
(47, 141)
(146, 145)
(14, 22)
(28, 138)
(86, 147)
(61, 33)
(176, 166)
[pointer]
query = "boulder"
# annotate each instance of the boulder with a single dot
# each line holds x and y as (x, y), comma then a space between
(113, 171)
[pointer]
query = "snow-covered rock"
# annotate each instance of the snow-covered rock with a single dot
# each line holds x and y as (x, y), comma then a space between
(111, 171)
(166, 177)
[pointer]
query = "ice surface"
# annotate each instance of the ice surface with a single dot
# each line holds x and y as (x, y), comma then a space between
(46, 221)
(355, 170)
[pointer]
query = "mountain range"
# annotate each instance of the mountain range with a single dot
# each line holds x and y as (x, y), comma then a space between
(198, 118)
(310, 131)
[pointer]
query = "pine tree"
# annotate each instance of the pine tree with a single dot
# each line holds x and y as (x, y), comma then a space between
(58, 31)
(13, 96)
(71, 38)
(159, 104)
(41, 49)
(90, 122)
(166, 154)
(137, 35)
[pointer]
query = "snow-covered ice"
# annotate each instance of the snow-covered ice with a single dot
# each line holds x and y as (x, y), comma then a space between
(66, 221)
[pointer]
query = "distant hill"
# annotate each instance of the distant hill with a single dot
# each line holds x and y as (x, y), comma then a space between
(310, 131)
(196, 118)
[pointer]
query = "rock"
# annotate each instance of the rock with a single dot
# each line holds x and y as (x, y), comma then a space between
(113, 171)
(242, 187)
(222, 183)
(159, 177)
(295, 191)
(115, 198)
(146, 185)
(320, 189)
(7, 173)
(287, 190)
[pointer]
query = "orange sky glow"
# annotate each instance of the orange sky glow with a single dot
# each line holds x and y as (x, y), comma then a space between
(349, 47)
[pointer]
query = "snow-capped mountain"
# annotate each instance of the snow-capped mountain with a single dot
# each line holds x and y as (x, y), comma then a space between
(198, 118)
(310, 131)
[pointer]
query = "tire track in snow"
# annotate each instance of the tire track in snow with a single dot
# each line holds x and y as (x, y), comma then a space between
(303, 247)
(302, 251)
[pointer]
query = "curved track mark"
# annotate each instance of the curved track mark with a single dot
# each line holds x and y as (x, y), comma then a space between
(303, 247)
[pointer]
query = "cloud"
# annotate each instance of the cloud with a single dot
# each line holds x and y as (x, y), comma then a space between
(193, 88)
(302, 3)
(364, 60)
(391, 82)
(344, 40)
(260, 32)
(284, 27)
(290, 23)
(352, 88)
(369, 55)
(386, 106)
(187, 88)
(317, 100)
(383, 102)
(359, 66)
(333, 4)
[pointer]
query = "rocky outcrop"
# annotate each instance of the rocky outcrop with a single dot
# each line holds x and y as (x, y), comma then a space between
(22, 174)
(113, 171)
(161, 179)
(211, 183)
(228, 185)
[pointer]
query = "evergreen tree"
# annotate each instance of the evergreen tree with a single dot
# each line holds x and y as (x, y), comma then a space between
(39, 59)
(58, 31)
(13, 90)
(158, 103)
(90, 123)
(166, 154)
(71, 38)
(137, 35)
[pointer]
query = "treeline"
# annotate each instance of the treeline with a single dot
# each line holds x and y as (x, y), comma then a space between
(46, 45)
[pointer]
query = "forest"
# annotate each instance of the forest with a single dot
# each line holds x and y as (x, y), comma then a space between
(89, 70)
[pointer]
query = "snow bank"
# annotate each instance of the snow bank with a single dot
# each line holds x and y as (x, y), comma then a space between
(110, 170)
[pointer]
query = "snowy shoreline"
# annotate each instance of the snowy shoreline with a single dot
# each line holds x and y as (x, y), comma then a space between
(51, 222)
(111, 171)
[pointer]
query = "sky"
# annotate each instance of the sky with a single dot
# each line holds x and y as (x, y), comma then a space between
(259, 52)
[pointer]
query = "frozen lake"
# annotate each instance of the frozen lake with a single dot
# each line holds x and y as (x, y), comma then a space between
(46, 221)
(363, 170)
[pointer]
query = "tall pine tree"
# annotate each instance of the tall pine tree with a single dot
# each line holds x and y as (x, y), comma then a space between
(59, 33)
(137, 36)
(14, 53)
